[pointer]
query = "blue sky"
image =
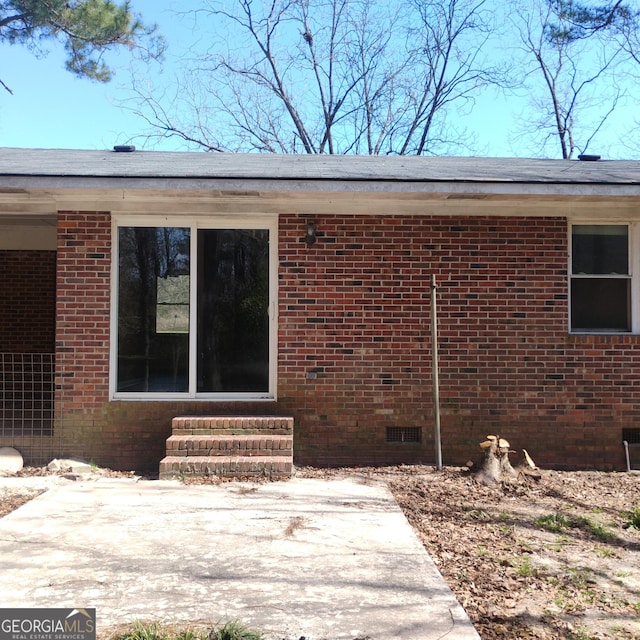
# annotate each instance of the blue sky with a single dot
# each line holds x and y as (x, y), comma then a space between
(50, 108)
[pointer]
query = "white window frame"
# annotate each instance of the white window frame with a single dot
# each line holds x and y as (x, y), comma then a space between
(195, 223)
(634, 274)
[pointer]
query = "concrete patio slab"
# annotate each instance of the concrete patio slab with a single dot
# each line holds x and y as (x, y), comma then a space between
(319, 559)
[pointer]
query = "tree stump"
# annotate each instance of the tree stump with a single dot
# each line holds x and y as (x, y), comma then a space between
(495, 466)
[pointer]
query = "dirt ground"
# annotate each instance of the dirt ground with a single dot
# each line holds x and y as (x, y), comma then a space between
(551, 559)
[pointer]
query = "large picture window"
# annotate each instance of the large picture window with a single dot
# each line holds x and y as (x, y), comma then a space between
(601, 279)
(193, 311)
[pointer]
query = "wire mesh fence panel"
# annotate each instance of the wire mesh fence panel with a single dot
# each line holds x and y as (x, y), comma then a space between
(27, 402)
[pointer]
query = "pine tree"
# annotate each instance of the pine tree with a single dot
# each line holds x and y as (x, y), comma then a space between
(86, 29)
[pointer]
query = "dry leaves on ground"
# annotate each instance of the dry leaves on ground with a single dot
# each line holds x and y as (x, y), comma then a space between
(11, 499)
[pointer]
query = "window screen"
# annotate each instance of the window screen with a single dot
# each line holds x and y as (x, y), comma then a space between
(600, 278)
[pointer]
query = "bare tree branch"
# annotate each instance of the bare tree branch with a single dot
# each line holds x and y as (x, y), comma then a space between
(336, 76)
(572, 83)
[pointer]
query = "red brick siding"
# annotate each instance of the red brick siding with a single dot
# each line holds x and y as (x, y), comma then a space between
(355, 343)
(82, 333)
(27, 301)
(355, 346)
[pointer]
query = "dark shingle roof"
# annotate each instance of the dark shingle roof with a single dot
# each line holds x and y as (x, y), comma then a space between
(62, 163)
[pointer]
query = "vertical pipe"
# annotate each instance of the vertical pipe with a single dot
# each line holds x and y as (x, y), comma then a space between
(436, 381)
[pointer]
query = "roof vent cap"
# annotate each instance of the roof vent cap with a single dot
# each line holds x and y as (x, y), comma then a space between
(124, 148)
(585, 157)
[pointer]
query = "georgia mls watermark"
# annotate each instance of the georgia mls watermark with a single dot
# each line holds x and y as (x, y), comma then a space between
(47, 624)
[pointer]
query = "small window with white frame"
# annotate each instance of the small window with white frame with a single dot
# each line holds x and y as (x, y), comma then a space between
(600, 278)
(193, 313)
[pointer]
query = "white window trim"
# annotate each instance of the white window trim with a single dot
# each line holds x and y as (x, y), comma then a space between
(255, 221)
(634, 274)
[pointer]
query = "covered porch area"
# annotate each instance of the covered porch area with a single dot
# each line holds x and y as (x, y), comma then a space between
(27, 334)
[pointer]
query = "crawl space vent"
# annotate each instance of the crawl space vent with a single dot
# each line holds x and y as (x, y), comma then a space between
(632, 436)
(403, 434)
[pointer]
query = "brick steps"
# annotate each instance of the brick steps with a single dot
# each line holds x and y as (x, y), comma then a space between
(247, 425)
(226, 466)
(229, 447)
(224, 445)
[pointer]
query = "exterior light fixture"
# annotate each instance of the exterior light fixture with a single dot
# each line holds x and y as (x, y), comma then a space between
(310, 233)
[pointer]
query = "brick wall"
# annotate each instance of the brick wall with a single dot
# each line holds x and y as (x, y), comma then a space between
(355, 354)
(355, 346)
(27, 301)
(82, 333)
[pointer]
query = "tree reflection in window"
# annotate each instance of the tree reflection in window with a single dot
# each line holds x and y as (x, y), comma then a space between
(150, 359)
(233, 299)
(231, 318)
